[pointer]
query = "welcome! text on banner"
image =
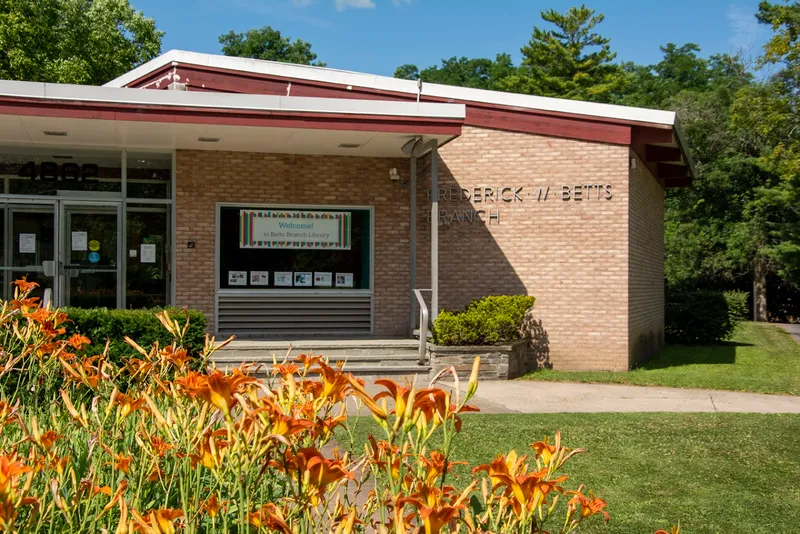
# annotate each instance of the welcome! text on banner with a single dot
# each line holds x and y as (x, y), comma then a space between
(282, 229)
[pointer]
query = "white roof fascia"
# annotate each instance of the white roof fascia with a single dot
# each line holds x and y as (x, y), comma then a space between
(385, 83)
(232, 101)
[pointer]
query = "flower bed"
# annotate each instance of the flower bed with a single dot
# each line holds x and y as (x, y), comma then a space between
(202, 452)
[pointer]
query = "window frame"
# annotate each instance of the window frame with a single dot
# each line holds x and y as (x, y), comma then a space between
(293, 291)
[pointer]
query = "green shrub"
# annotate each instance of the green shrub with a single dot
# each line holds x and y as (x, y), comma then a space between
(702, 317)
(483, 322)
(738, 308)
(100, 324)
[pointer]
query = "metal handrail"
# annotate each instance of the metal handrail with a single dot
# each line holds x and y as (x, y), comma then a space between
(424, 316)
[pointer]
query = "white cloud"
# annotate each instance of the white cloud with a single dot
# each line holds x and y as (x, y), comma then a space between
(400, 2)
(303, 3)
(341, 5)
(745, 29)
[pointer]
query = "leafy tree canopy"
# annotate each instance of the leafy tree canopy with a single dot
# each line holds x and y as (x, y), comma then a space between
(74, 41)
(478, 73)
(570, 60)
(267, 43)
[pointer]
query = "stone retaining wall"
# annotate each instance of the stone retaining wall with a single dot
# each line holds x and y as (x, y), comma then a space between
(498, 362)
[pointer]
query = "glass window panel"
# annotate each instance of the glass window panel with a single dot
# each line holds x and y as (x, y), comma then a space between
(147, 255)
(54, 171)
(149, 175)
(353, 264)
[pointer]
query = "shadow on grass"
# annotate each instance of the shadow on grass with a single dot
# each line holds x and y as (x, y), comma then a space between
(678, 355)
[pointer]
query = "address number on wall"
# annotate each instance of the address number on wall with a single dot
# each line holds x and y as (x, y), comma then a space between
(52, 171)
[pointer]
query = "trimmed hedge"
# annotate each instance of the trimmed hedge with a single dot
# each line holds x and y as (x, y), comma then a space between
(100, 324)
(488, 321)
(703, 317)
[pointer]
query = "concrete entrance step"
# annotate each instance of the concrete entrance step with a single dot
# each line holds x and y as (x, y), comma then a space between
(363, 357)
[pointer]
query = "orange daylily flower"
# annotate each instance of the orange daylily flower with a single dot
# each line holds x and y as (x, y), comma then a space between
(8, 414)
(220, 389)
(160, 447)
(129, 405)
(211, 506)
(524, 490)
(399, 394)
(10, 471)
(175, 356)
(48, 439)
(210, 450)
(24, 286)
(434, 402)
(156, 521)
(121, 462)
(285, 369)
(309, 360)
(438, 507)
(321, 472)
(589, 506)
(324, 428)
(437, 465)
(77, 341)
(674, 530)
(191, 383)
(335, 382)
(271, 517)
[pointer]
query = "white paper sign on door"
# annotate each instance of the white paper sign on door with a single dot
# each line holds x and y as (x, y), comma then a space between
(148, 253)
(27, 243)
(79, 241)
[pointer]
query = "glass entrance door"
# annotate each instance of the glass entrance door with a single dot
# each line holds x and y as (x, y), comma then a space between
(28, 246)
(90, 254)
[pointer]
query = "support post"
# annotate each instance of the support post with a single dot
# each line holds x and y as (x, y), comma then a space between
(434, 231)
(412, 203)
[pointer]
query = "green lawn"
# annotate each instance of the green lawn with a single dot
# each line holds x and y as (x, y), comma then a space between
(761, 358)
(715, 473)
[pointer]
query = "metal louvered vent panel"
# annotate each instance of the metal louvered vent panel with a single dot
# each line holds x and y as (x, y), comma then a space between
(282, 315)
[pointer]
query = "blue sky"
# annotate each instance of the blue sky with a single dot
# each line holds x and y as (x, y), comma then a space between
(376, 36)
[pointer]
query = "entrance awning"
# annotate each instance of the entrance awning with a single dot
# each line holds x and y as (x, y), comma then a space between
(34, 113)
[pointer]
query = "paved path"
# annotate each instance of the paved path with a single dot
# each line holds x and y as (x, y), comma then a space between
(793, 329)
(527, 396)
(552, 397)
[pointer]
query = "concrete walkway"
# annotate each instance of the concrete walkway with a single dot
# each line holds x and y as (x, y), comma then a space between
(793, 329)
(552, 397)
(527, 396)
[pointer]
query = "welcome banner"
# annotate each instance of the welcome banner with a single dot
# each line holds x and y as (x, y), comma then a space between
(283, 229)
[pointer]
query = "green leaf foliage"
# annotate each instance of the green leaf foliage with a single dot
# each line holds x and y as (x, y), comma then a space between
(102, 324)
(703, 317)
(268, 43)
(74, 41)
(488, 321)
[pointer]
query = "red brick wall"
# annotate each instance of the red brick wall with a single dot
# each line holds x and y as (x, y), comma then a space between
(646, 264)
(206, 178)
(581, 259)
(571, 255)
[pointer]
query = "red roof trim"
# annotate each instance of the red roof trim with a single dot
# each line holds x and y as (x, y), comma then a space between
(599, 129)
(189, 115)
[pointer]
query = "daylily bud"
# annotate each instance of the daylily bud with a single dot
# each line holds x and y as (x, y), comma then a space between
(472, 386)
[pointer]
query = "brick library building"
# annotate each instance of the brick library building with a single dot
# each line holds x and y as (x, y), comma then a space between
(289, 201)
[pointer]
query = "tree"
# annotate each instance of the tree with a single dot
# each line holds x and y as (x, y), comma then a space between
(767, 114)
(267, 43)
(479, 73)
(570, 61)
(74, 41)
